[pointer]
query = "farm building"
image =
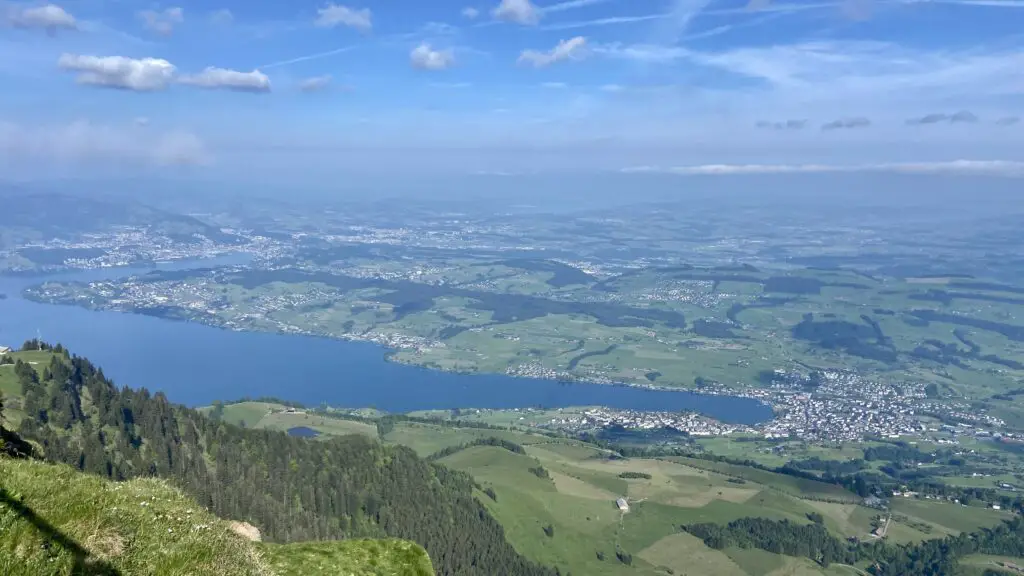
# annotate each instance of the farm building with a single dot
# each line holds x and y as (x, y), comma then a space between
(4, 349)
(622, 504)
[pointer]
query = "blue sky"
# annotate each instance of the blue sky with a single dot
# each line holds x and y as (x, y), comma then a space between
(309, 89)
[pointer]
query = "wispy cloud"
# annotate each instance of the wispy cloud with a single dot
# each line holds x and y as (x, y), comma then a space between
(609, 21)
(571, 5)
(961, 117)
(527, 13)
(571, 49)
(844, 69)
(222, 17)
(162, 22)
(975, 3)
(847, 123)
(307, 57)
(1008, 121)
(682, 14)
(979, 167)
(333, 15)
(769, 6)
(315, 84)
(782, 125)
(94, 144)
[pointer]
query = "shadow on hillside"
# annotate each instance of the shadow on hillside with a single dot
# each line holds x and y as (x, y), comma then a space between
(84, 565)
(12, 444)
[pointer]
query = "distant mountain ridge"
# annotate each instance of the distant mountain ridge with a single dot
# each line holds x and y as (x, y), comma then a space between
(56, 214)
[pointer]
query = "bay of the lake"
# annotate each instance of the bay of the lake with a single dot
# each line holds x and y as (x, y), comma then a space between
(196, 364)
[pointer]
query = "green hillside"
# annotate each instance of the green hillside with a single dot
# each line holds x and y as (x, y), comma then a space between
(292, 489)
(55, 520)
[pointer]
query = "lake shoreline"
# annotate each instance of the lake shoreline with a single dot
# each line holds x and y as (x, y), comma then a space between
(196, 364)
(389, 352)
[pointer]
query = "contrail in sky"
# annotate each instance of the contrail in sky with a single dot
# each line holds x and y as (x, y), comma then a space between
(306, 57)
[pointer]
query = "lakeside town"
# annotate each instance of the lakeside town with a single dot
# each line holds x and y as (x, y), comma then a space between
(844, 407)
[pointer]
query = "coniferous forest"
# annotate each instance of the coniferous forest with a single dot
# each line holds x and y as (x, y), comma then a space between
(291, 488)
(937, 557)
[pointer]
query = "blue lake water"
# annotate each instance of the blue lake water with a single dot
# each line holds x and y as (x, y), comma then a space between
(303, 432)
(196, 364)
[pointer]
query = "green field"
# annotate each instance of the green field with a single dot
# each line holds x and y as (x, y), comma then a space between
(8, 383)
(977, 564)
(576, 497)
(578, 502)
(782, 482)
(270, 416)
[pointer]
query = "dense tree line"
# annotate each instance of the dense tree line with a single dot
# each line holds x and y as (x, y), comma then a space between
(291, 488)
(936, 557)
(635, 475)
(827, 467)
(540, 472)
(812, 541)
(490, 441)
(386, 424)
(899, 452)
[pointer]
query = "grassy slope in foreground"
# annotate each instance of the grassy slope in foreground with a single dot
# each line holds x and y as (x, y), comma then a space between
(54, 520)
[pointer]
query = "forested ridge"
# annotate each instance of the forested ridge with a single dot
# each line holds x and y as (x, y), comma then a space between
(293, 489)
(937, 557)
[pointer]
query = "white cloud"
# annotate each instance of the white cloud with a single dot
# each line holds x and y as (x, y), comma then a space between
(571, 5)
(338, 15)
(470, 12)
(425, 57)
(162, 23)
(315, 84)
(141, 75)
(555, 85)
(612, 88)
(214, 78)
(222, 16)
(571, 49)
(92, 144)
(978, 167)
(517, 11)
(49, 17)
